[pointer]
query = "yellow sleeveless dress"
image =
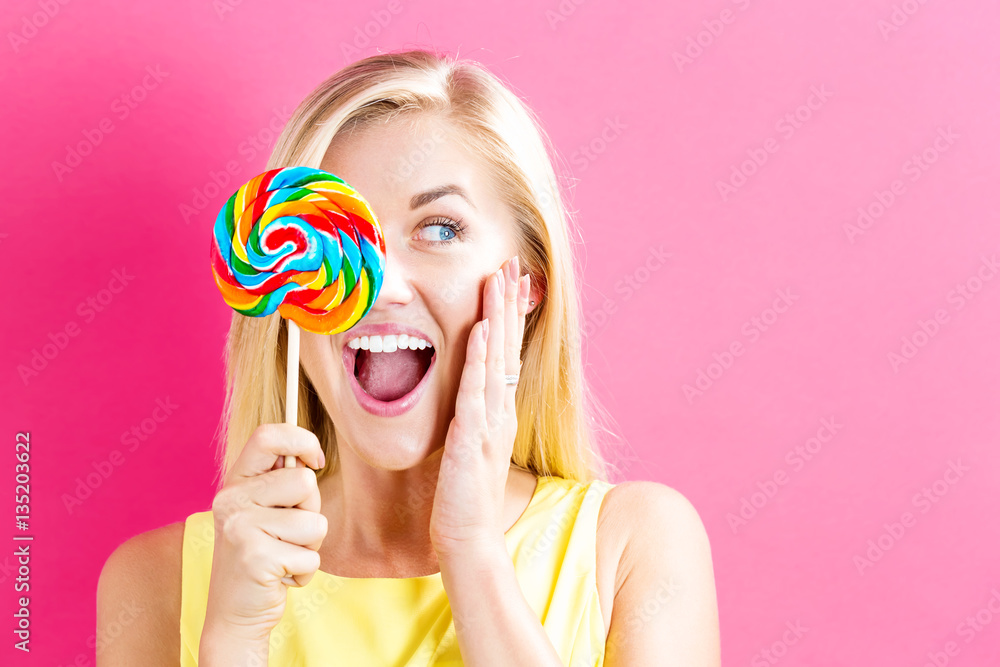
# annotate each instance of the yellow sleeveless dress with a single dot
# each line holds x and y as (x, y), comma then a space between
(407, 622)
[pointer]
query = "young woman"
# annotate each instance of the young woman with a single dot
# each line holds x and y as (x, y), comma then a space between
(453, 506)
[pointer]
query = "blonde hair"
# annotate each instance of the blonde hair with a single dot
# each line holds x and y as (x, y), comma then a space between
(558, 420)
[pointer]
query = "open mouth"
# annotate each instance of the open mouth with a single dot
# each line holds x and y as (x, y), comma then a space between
(388, 373)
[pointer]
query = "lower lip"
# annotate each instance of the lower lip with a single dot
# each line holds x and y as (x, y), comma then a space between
(385, 408)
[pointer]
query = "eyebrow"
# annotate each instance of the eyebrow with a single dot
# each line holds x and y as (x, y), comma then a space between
(425, 198)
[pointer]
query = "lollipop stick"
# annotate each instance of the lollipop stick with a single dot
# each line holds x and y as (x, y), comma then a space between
(292, 384)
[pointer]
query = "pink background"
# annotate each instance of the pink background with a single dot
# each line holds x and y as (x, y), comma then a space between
(662, 133)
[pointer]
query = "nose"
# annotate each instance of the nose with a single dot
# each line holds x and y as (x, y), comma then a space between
(396, 289)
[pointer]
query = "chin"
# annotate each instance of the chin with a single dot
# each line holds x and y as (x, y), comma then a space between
(388, 445)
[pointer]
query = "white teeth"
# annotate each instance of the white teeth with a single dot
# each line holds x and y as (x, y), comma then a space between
(388, 343)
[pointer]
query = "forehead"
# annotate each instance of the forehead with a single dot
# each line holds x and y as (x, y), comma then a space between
(390, 162)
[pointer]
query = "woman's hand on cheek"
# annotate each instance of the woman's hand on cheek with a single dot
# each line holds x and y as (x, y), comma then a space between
(467, 517)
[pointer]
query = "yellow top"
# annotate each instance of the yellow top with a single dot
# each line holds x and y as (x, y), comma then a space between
(406, 622)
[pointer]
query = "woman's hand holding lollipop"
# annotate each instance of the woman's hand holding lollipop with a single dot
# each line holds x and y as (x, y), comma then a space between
(268, 531)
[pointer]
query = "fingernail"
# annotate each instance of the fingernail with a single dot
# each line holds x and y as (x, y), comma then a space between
(515, 270)
(485, 329)
(500, 281)
(523, 287)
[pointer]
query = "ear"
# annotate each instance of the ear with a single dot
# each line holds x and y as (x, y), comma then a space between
(535, 293)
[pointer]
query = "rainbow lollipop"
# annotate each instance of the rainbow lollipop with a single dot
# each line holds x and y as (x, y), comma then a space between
(304, 243)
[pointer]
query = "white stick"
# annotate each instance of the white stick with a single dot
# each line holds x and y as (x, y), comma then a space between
(292, 384)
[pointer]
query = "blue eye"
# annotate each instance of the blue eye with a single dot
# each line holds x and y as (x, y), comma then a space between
(444, 233)
(447, 230)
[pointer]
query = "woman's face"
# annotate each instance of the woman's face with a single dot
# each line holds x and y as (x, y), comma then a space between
(446, 231)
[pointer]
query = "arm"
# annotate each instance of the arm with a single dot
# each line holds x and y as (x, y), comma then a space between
(139, 601)
(493, 621)
(665, 609)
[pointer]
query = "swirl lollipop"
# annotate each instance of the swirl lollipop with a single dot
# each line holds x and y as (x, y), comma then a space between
(304, 243)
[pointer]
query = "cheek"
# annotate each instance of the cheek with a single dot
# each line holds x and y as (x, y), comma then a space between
(452, 294)
(317, 358)
(461, 300)
(457, 304)
(456, 290)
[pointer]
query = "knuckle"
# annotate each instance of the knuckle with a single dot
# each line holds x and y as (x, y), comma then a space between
(256, 485)
(302, 438)
(313, 440)
(307, 478)
(227, 500)
(253, 557)
(220, 501)
(239, 499)
(230, 527)
(320, 525)
(263, 434)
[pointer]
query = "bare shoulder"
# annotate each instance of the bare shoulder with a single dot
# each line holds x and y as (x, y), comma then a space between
(627, 513)
(139, 600)
(664, 599)
(634, 508)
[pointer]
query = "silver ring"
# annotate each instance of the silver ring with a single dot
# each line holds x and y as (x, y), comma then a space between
(511, 379)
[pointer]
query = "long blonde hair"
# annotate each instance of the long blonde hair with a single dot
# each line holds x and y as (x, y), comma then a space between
(558, 420)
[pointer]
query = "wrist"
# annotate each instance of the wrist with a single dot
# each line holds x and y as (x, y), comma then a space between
(223, 644)
(480, 557)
